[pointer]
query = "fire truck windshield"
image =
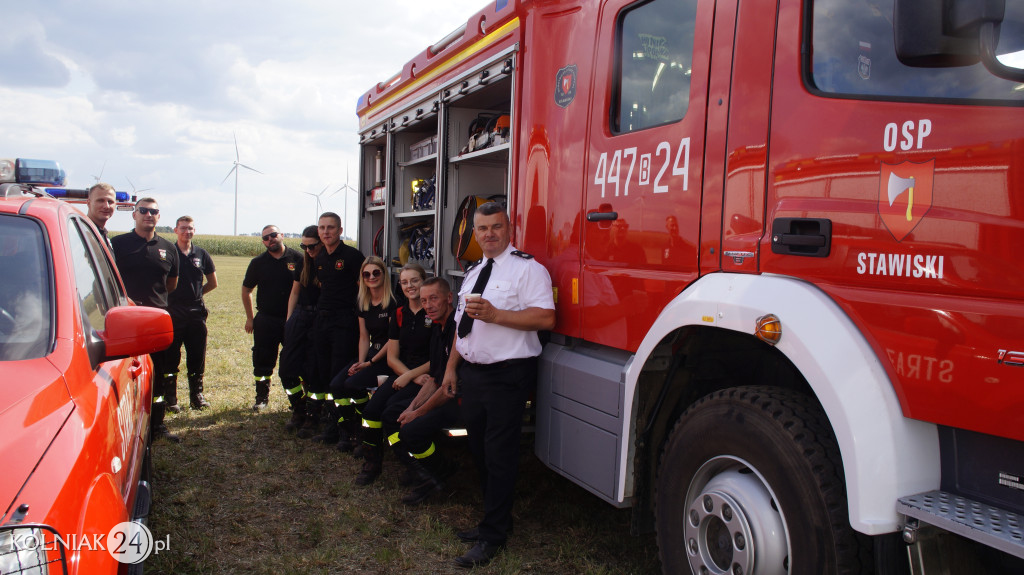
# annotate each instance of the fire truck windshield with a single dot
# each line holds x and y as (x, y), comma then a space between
(853, 54)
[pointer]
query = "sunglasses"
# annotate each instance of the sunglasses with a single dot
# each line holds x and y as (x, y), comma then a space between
(148, 211)
(376, 273)
(270, 236)
(309, 246)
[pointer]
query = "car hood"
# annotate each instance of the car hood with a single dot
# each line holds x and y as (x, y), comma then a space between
(34, 405)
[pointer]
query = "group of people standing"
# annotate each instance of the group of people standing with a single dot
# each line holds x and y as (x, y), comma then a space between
(171, 276)
(366, 370)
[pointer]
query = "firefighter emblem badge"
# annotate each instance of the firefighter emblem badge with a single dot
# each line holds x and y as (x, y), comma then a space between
(905, 196)
(198, 262)
(291, 266)
(565, 86)
(163, 254)
(339, 265)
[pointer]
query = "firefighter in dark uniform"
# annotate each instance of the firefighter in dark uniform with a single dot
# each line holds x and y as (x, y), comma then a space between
(336, 336)
(297, 359)
(408, 358)
(494, 366)
(432, 409)
(188, 312)
(271, 274)
(149, 267)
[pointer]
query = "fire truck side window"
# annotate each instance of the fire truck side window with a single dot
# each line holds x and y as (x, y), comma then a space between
(853, 55)
(654, 64)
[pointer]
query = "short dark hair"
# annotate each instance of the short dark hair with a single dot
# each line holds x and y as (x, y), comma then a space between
(333, 215)
(439, 282)
(147, 200)
(270, 226)
(310, 232)
(490, 208)
(183, 219)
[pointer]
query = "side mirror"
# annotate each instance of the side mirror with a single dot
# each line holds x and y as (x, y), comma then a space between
(135, 330)
(945, 33)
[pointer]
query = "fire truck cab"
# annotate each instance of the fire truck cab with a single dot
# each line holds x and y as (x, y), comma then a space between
(790, 323)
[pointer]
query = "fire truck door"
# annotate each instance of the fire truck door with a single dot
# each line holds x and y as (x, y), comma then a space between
(644, 164)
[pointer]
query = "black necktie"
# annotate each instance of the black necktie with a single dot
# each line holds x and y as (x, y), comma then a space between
(466, 322)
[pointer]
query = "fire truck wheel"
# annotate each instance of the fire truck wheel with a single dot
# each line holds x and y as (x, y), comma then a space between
(751, 483)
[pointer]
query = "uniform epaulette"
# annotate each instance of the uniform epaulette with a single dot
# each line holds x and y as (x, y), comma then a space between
(474, 264)
(523, 255)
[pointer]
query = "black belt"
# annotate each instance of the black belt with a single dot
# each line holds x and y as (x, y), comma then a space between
(502, 364)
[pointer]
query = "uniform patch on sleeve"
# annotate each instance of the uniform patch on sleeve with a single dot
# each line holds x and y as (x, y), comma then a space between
(523, 255)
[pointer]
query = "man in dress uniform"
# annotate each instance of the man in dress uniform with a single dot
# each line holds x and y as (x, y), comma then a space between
(188, 312)
(101, 204)
(494, 366)
(149, 267)
(271, 275)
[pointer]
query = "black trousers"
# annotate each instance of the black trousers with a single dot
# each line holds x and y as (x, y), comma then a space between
(382, 411)
(493, 402)
(190, 331)
(418, 435)
(298, 359)
(336, 344)
(267, 337)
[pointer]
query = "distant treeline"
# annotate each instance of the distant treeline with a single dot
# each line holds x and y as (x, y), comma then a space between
(250, 246)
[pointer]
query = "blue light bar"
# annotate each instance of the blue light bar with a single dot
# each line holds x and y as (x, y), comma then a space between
(68, 194)
(39, 172)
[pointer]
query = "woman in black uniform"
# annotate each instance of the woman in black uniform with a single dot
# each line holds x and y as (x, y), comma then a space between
(350, 388)
(297, 360)
(408, 357)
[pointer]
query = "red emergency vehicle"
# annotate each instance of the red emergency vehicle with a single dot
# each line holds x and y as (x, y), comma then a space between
(782, 235)
(75, 388)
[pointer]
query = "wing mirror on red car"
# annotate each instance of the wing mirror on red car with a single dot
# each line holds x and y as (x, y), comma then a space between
(136, 330)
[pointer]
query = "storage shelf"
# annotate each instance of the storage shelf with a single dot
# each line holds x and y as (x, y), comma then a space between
(483, 155)
(456, 273)
(419, 214)
(375, 208)
(423, 160)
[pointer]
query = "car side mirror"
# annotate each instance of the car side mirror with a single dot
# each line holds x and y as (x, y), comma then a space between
(135, 330)
(945, 33)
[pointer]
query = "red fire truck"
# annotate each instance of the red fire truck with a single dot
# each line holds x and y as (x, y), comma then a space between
(781, 233)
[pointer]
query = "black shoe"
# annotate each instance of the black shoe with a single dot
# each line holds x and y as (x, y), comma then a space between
(469, 535)
(198, 402)
(161, 432)
(421, 492)
(260, 404)
(480, 555)
(174, 408)
(369, 473)
(408, 478)
(329, 435)
(347, 444)
(295, 422)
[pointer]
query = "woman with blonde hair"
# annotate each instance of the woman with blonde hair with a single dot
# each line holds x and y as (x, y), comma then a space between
(350, 388)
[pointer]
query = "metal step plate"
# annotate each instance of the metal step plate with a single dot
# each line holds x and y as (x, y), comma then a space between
(977, 521)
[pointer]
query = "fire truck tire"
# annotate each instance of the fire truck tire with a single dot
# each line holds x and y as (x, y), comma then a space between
(751, 483)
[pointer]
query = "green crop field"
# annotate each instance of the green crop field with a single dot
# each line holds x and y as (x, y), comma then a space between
(241, 495)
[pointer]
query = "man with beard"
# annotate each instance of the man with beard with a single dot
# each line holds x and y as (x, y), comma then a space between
(271, 274)
(101, 204)
(149, 267)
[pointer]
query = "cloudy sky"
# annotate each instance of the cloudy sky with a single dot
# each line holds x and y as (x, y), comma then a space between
(154, 92)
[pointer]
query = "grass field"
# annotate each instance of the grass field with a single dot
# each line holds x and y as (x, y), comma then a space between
(240, 495)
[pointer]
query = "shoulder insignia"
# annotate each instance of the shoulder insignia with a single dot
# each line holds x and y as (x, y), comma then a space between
(473, 265)
(523, 255)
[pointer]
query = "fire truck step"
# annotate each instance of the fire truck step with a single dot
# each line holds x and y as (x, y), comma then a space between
(974, 520)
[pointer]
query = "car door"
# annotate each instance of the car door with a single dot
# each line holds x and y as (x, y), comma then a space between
(119, 383)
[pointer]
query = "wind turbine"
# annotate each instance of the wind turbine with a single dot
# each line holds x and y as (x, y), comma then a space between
(134, 191)
(317, 196)
(344, 207)
(100, 177)
(234, 169)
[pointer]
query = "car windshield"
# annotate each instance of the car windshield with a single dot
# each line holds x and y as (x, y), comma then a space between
(25, 302)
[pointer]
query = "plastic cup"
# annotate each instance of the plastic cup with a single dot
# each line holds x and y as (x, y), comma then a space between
(382, 379)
